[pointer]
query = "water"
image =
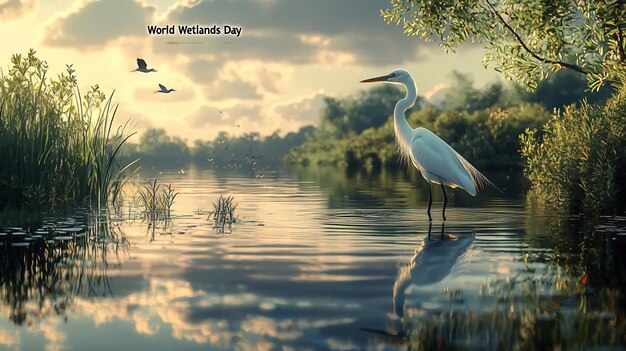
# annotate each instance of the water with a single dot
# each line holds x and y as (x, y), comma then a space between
(317, 260)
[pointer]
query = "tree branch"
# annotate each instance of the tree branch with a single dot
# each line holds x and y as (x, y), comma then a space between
(620, 45)
(521, 42)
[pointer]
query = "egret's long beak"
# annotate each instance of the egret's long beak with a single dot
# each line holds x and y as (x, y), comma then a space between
(377, 79)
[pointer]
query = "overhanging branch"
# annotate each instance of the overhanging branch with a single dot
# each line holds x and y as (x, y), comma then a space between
(521, 42)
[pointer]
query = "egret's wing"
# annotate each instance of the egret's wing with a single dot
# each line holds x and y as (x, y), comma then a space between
(479, 179)
(440, 163)
(163, 88)
(141, 64)
(437, 161)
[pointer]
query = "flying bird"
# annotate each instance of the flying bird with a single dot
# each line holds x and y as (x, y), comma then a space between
(437, 161)
(142, 66)
(164, 90)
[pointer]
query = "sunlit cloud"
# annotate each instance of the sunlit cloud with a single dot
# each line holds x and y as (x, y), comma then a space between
(305, 109)
(205, 116)
(233, 88)
(12, 9)
(437, 95)
(92, 23)
(301, 32)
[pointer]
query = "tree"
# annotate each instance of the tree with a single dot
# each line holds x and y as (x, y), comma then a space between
(566, 88)
(156, 144)
(526, 39)
(463, 96)
(368, 109)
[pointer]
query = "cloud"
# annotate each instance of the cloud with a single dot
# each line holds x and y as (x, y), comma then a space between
(234, 88)
(244, 117)
(242, 80)
(437, 95)
(269, 79)
(203, 71)
(96, 23)
(206, 116)
(298, 31)
(305, 110)
(12, 9)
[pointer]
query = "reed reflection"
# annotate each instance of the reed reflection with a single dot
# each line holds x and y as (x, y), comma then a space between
(45, 270)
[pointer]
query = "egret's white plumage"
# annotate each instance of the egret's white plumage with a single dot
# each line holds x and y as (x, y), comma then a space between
(437, 161)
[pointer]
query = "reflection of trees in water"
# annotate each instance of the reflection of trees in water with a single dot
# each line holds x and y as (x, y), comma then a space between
(580, 247)
(570, 297)
(392, 188)
(47, 276)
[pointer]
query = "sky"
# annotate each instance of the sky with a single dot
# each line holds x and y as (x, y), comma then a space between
(273, 76)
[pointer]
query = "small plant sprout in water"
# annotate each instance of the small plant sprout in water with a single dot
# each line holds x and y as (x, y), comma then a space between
(223, 214)
(156, 202)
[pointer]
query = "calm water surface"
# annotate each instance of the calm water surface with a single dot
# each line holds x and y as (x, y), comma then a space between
(318, 260)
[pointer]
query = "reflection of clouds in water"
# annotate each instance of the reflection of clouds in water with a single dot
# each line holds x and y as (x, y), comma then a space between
(260, 325)
(339, 345)
(55, 338)
(166, 304)
(163, 302)
(9, 339)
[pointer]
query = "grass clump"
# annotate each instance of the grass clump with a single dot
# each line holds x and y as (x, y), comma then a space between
(578, 165)
(223, 213)
(156, 202)
(56, 145)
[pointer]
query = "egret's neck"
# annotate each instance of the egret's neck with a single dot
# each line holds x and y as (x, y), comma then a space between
(403, 130)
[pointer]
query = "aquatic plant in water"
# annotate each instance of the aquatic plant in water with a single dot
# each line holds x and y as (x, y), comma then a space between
(157, 202)
(223, 214)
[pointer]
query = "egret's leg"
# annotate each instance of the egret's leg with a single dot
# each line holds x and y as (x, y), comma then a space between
(430, 201)
(445, 201)
(443, 227)
(430, 228)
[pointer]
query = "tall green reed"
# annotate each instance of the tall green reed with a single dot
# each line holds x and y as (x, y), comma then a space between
(56, 146)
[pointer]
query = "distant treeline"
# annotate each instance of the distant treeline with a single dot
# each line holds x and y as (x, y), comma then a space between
(484, 125)
(157, 147)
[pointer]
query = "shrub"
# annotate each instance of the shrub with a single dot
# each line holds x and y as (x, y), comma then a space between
(578, 165)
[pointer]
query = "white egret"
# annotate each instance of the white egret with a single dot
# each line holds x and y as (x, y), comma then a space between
(434, 158)
(142, 66)
(164, 90)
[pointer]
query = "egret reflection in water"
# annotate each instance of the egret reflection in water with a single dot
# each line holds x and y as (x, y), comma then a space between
(431, 263)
